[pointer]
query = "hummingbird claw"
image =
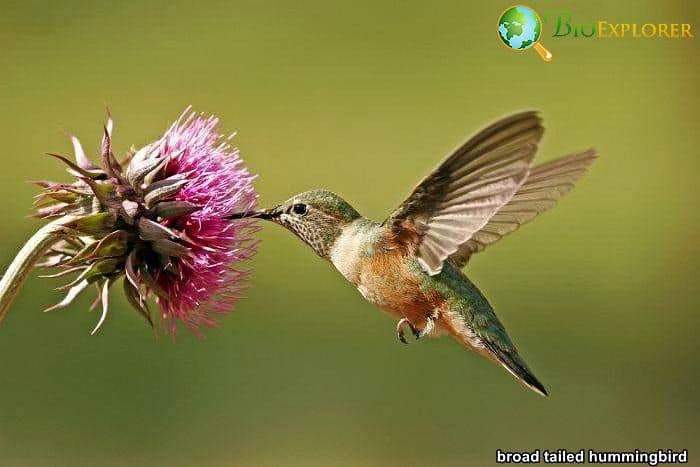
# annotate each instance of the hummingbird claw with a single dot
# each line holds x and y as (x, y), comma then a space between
(402, 338)
(416, 333)
(399, 330)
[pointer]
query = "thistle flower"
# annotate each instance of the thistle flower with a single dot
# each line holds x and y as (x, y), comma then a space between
(157, 219)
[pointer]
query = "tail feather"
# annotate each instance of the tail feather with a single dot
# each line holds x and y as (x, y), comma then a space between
(490, 340)
(512, 362)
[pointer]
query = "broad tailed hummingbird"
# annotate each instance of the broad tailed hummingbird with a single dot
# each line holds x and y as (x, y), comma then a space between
(410, 264)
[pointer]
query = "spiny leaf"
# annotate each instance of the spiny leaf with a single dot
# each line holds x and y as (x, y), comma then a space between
(150, 230)
(77, 170)
(130, 269)
(150, 282)
(65, 272)
(80, 158)
(103, 267)
(104, 191)
(97, 224)
(105, 304)
(163, 189)
(128, 211)
(169, 209)
(53, 210)
(51, 261)
(170, 248)
(95, 271)
(67, 197)
(137, 170)
(65, 248)
(83, 254)
(109, 162)
(114, 244)
(70, 296)
(137, 301)
(150, 176)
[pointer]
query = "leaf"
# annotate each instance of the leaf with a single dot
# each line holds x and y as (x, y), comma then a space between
(103, 267)
(96, 225)
(138, 169)
(77, 170)
(130, 270)
(95, 271)
(149, 230)
(114, 244)
(53, 210)
(170, 248)
(104, 294)
(80, 158)
(150, 282)
(104, 191)
(110, 163)
(83, 254)
(63, 196)
(137, 301)
(65, 272)
(51, 261)
(163, 189)
(169, 209)
(128, 211)
(150, 176)
(70, 296)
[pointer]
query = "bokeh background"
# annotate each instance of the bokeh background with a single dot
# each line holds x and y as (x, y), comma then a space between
(363, 98)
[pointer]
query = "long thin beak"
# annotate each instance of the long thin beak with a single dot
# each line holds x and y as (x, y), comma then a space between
(266, 214)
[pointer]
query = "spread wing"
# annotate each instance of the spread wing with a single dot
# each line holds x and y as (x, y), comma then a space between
(459, 197)
(540, 192)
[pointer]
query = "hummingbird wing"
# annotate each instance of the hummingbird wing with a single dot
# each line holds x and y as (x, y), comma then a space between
(459, 197)
(540, 192)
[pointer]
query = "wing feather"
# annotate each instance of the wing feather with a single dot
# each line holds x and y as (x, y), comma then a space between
(540, 192)
(459, 197)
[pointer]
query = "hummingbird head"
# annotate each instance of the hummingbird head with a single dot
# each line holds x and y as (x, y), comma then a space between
(317, 217)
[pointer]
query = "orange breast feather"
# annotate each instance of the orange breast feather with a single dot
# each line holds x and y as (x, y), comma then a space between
(387, 281)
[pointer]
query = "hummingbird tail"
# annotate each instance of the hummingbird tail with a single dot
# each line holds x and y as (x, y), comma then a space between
(512, 362)
(491, 341)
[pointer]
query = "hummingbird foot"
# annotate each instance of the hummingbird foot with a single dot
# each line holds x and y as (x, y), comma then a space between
(399, 330)
(429, 324)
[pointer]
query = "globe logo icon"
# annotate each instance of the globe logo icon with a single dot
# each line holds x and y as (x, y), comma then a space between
(519, 28)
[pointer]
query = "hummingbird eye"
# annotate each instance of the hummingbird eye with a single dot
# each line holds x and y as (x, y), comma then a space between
(300, 209)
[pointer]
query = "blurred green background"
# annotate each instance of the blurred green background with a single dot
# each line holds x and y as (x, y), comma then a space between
(363, 98)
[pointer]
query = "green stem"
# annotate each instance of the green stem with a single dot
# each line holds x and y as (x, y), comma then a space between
(25, 260)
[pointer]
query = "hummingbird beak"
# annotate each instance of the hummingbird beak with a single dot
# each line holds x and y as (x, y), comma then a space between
(267, 214)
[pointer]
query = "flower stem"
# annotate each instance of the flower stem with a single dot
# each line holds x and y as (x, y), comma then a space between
(25, 260)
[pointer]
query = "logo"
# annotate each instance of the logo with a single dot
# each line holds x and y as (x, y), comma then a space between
(566, 26)
(519, 28)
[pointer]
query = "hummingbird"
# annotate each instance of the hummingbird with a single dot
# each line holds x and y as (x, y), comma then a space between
(410, 265)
